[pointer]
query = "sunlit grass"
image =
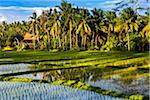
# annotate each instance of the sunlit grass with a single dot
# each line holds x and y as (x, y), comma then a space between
(134, 77)
(40, 56)
(94, 59)
(147, 66)
(119, 72)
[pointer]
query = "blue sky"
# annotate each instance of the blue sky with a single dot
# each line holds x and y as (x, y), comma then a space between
(16, 10)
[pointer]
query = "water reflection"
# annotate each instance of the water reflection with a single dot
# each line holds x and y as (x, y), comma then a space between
(97, 77)
(36, 91)
(12, 68)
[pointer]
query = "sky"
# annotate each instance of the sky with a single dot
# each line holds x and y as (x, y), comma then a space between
(17, 10)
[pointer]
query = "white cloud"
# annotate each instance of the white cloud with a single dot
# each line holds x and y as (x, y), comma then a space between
(38, 10)
(2, 18)
(112, 1)
(23, 8)
(19, 13)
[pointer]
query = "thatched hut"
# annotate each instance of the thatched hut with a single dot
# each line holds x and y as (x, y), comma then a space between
(29, 39)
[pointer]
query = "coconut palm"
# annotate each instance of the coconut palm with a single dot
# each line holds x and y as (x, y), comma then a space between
(73, 27)
(145, 31)
(110, 22)
(83, 27)
(34, 27)
(98, 27)
(56, 28)
(67, 17)
(44, 30)
(129, 23)
(3, 34)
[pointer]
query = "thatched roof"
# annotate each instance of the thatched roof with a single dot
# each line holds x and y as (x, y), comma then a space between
(29, 36)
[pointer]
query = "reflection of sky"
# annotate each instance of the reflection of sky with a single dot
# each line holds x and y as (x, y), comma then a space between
(14, 10)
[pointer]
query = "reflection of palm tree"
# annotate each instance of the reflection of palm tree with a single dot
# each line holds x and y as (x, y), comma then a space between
(80, 74)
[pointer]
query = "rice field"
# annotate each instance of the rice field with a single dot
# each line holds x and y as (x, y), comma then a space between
(40, 91)
(122, 72)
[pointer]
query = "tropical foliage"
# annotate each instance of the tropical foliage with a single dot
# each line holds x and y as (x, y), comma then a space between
(67, 28)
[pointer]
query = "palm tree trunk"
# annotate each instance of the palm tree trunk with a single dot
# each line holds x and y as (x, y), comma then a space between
(65, 41)
(85, 42)
(76, 41)
(92, 41)
(33, 31)
(128, 36)
(70, 40)
(59, 41)
(142, 47)
(48, 40)
(37, 33)
(55, 42)
(96, 40)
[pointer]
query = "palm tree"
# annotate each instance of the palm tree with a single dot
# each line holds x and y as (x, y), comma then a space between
(129, 23)
(72, 27)
(44, 27)
(136, 4)
(56, 28)
(67, 16)
(110, 21)
(34, 27)
(145, 31)
(83, 27)
(3, 33)
(98, 23)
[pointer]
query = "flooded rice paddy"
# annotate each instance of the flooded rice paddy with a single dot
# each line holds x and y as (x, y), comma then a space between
(125, 80)
(41, 91)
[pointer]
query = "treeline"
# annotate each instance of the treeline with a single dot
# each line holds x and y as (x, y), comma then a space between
(68, 28)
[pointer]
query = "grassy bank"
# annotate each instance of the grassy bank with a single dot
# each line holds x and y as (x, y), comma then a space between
(82, 58)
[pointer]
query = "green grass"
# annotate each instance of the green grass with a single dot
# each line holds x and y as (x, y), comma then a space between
(112, 58)
(94, 59)
(122, 62)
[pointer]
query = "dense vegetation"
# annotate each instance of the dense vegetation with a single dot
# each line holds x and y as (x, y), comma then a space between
(81, 36)
(67, 27)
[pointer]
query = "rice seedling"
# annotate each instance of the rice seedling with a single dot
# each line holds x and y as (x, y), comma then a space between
(75, 84)
(32, 91)
(117, 66)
